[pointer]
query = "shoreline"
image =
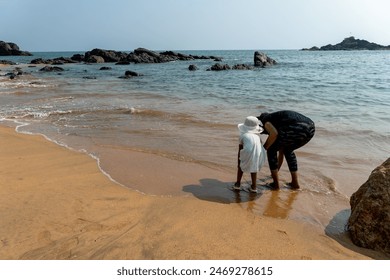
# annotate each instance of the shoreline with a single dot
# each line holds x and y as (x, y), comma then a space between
(57, 204)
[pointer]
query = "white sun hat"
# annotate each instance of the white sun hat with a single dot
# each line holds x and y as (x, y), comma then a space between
(251, 125)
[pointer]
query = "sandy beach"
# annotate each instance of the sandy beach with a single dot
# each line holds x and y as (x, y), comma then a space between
(57, 204)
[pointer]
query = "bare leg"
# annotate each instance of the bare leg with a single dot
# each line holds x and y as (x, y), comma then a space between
(294, 180)
(239, 177)
(254, 178)
(275, 177)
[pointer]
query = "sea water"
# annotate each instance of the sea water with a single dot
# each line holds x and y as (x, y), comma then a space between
(193, 115)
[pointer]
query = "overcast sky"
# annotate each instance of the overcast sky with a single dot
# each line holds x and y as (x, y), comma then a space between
(80, 25)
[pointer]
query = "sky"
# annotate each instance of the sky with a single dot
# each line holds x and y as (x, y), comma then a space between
(124, 25)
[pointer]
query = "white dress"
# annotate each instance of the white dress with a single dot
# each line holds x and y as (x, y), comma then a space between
(252, 156)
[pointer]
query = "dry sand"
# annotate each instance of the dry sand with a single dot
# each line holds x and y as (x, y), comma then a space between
(57, 204)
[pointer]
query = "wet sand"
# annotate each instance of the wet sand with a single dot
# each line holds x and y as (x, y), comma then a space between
(57, 204)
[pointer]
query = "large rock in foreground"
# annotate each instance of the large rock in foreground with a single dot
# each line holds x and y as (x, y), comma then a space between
(369, 223)
(11, 49)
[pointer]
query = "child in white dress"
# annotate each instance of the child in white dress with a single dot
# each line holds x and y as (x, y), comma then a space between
(251, 153)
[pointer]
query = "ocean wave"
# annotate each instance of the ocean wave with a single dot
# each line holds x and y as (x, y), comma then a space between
(104, 114)
(22, 84)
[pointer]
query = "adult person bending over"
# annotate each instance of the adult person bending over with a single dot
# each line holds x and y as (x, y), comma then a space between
(288, 131)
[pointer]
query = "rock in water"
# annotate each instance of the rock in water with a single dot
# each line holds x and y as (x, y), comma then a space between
(262, 60)
(369, 223)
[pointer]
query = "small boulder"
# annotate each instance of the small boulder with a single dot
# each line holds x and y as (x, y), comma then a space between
(132, 73)
(192, 67)
(129, 74)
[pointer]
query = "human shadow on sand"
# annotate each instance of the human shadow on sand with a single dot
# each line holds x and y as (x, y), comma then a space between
(216, 191)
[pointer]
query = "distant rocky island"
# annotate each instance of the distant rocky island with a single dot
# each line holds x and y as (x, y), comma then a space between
(350, 44)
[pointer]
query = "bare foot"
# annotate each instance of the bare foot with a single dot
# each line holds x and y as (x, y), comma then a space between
(293, 186)
(273, 186)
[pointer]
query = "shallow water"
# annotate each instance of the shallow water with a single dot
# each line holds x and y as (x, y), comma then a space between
(193, 116)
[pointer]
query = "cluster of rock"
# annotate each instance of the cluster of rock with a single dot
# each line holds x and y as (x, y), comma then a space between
(15, 73)
(260, 60)
(349, 43)
(140, 55)
(221, 67)
(9, 49)
(369, 223)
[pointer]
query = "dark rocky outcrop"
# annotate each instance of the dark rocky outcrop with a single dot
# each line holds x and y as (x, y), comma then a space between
(351, 44)
(8, 48)
(262, 60)
(369, 223)
(140, 55)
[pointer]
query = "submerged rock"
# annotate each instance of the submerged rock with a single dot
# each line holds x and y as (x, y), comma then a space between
(51, 69)
(129, 74)
(192, 67)
(369, 223)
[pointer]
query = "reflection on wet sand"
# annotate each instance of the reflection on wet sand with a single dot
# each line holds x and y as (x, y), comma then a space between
(280, 204)
(276, 204)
